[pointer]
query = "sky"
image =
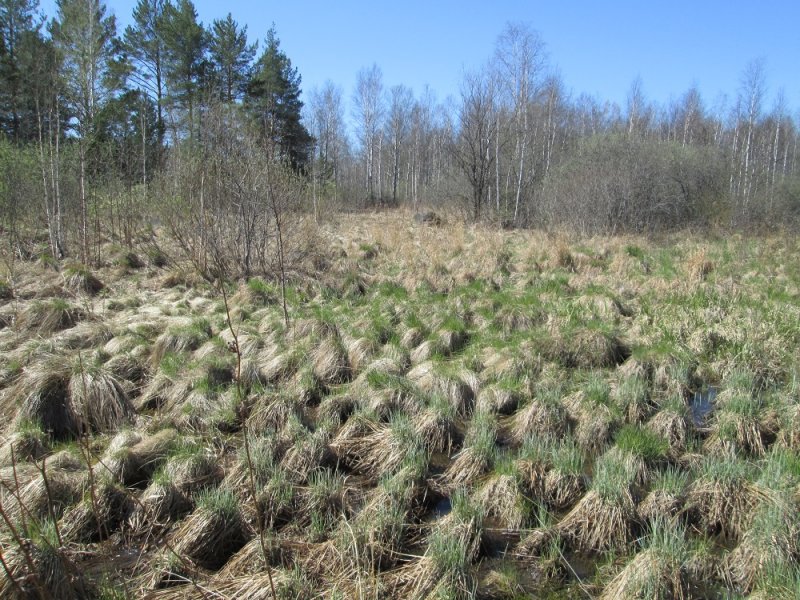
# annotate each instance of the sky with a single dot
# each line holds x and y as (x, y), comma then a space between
(598, 48)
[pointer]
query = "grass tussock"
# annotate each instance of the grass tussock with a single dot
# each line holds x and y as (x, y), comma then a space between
(79, 278)
(657, 571)
(215, 531)
(45, 317)
(605, 519)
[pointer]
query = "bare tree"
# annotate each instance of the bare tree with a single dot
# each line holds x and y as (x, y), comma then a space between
(368, 112)
(325, 114)
(472, 150)
(398, 124)
(520, 60)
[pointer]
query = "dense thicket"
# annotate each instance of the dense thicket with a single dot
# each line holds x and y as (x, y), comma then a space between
(105, 135)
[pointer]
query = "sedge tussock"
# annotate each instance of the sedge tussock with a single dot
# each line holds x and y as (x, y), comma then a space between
(135, 463)
(99, 399)
(772, 539)
(55, 574)
(672, 425)
(412, 337)
(97, 516)
(478, 454)
(185, 336)
(542, 416)
(330, 362)
(214, 532)
(605, 518)
(272, 411)
(191, 466)
(276, 364)
(722, 498)
(436, 427)
(426, 351)
(78, 278)
(84, 336)
(375, 537)
(445, 569)
(501, 498)
(43, 394)
(160, 505)
(657, 571)
(38, 500)
(29, 443)
(382, 448)
(360, 352)
(497, 400)
(308, 452)
(459, 394)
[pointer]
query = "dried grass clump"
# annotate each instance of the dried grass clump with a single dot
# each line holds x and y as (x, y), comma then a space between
(657, 572)
(79, 278)
(502, 498)
(98, 516)
(381, 449)
(699, 266)
(160, 505)
(587, 348)
(277, 364)
(437, 426)
(478, 454)
(375, 538)
(192, 466)
(326, 497)
(186, 336)
(272, 411)
(43, 395)
(360, 352)
(99, 398)
(38, 500)
(308, 452)
(330, 362)
(673, 424)
(44, 317)
(84, 336)
(215, 531)
(135, 463)
(429, 378)
(445, 569)
(28, 441)
(739, 426)
(632, 397)
(772, 540)
(666, 498)
(54, 574)
(498, 400)
(605, 518)
(543, 416)
(722, 498)
(426, 351)
(565, 482)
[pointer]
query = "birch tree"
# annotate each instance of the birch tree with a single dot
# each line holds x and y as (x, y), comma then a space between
(84, 37)
(368, 112)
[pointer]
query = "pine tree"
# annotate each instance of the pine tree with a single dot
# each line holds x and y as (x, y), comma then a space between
(185, 45)
(231, 56)
(17, 26)
(273, 97)
(144, 43)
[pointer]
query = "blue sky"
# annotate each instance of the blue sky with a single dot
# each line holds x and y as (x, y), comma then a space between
(598, 47)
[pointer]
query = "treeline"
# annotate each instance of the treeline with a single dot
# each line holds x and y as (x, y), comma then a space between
(107, 134)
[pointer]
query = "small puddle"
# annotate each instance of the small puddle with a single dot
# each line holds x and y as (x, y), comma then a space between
(442, 508)
(581, 568)
(702, 405)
